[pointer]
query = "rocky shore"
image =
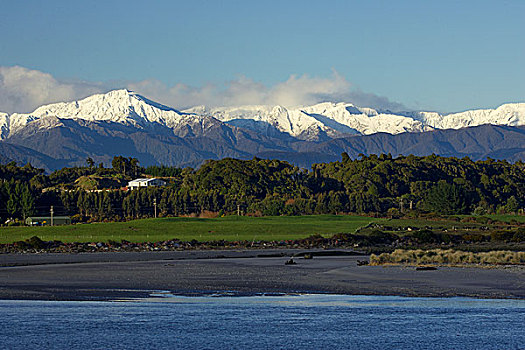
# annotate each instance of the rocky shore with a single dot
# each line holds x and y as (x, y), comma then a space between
(36, 245)
(375, 242)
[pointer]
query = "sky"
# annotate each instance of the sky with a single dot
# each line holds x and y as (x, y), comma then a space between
(444, 56)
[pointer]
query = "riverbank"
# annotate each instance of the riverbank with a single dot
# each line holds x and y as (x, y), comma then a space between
(110, 276)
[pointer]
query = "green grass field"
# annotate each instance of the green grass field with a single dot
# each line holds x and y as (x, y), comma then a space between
(507, 217)
(448, 222)
(230, 228)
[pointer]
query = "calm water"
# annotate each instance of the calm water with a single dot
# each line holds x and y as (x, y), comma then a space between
(265, 322)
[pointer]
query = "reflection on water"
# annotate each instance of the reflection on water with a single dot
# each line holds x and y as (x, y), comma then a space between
(226, 320)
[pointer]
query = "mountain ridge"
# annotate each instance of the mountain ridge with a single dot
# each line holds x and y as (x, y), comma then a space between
(319, 122)
(125, 123)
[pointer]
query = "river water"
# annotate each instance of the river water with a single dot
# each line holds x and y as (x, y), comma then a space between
(265, 322)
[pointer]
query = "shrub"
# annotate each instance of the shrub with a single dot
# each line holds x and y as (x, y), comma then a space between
(426, 236)
(483, 220)
(36, 242)
(393, 213)
(519, 236)
(501, 235)
(474, 237)
(440, 256)
(380, 237)
(480, 211)
(313, 239)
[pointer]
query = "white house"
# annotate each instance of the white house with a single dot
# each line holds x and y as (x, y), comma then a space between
(133, 184)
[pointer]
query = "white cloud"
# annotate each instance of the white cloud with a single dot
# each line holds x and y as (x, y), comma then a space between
(296, 91)
(23, 90)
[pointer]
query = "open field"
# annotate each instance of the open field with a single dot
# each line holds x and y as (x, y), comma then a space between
(230, 228)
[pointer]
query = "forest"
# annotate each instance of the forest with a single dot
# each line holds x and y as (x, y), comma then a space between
(375, 185)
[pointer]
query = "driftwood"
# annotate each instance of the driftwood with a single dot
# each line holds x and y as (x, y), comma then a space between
(290, 262)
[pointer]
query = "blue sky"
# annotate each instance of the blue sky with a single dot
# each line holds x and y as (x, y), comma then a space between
(433, 55)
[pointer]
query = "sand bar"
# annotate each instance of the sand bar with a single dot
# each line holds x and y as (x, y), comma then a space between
(109, 276)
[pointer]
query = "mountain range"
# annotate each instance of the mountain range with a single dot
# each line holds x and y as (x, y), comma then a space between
(122, 122)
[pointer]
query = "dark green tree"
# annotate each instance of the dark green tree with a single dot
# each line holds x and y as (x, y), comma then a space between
(446, 198)
(27, 202)
(90, 162)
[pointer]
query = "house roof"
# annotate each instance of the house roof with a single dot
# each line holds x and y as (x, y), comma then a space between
(144, 180)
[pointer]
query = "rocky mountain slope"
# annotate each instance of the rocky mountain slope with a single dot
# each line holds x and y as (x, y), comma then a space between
(122, 122)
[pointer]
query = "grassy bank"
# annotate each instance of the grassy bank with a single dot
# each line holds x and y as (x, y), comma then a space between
(507, 218)
(449, 256)
(230, 228)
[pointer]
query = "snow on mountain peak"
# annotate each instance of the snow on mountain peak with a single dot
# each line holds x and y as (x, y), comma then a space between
(511, 114)
(316, 122)
(339, 119)
(332, 119)
(4, 125)
(117, 105)
(120, 106)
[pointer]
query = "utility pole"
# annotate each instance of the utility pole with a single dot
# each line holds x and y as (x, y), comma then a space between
(155, 206)
(411, 205)
(238, 210)
(401, 205)
(52, 212)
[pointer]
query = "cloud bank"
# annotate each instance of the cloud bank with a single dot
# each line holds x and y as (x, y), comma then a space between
(296, 91)
(22, 90)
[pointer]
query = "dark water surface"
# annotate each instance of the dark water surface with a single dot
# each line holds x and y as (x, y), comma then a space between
(265, 322)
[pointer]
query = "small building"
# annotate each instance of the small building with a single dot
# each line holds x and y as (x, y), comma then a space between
(46, 220)
(133, 184)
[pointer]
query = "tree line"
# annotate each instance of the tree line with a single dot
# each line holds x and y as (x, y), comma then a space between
(382, 185)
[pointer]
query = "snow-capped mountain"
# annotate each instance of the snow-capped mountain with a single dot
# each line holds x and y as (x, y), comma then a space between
(319, 122)
(342, 119)
(122, 122)
(310, 122)
(118, 106)
(510, 114)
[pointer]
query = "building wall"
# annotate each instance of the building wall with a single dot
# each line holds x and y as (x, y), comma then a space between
(46, 221)
(154, 182)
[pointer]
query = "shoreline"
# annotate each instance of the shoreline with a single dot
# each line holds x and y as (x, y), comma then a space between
(118, 276)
